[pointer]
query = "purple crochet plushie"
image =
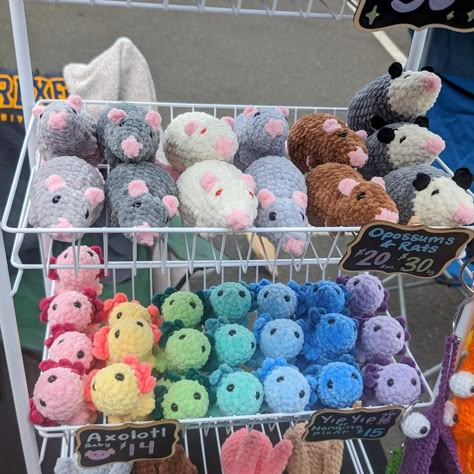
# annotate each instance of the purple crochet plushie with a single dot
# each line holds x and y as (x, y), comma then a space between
(276, 299)
(367, 295)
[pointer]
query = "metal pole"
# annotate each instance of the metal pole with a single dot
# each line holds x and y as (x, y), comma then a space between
(416, 50)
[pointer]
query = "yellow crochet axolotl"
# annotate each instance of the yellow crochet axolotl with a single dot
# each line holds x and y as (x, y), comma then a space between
(123, 391)
(119, 308)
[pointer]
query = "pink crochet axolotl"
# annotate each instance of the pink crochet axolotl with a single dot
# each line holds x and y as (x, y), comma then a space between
(67, 279)
(59, 395)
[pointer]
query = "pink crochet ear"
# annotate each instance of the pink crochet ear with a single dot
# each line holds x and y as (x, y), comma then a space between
(145, 381)
(250, 111)
(331, 125)
(153, 119)
(87, 388)
(38, 110)
(101, 347)
(75, 101)
(116, 115)
(283, 110)
(362, 134)
(58, 330)
(191, 127)
(53, 274)
(44, 305)
(378, 180)
(229, 121)
(301, 199)
(156, 334)
(346, 186)
(154, 312)
(54, 182)
(94, 196)
(207, 180)
(137, 187)
(171, 203)
(37, 418)
(266, 198)
(248, 180)
(98, 251)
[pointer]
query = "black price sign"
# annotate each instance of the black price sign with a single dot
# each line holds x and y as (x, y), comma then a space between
(455, 15)
(361, 423)
(419, 251)
(101, 444)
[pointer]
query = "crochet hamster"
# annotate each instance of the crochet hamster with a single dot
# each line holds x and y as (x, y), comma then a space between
(217, 194)
(67, 279)
(400, 144)
(398, 96)
(431, 195)
(251, 452)
(276, 299)
(122, 391)
(58, 396)
(320, 138)
(339, 196)
(177, 463)
(282, 199)
(286, 389)
(119, 308)
(128, 133)
(260, 132)
(66, 192)
(193, 137)
(66, 129)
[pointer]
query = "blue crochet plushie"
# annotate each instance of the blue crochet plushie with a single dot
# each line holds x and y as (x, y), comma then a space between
(287, 390)
(279, 337)
(338, 384)
(276, 299)
(237, 392)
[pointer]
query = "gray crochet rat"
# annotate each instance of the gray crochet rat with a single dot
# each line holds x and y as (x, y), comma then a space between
(66, 192)
(282, 199)
(66, 129)
(128, 133)
(431, 195)
(141, 195)
(261, 132)
(400, 144)
(397, 96)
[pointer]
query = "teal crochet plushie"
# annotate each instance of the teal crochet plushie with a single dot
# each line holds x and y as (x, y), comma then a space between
(181, 348)
(183, 305)
(276, 299)
(237, 392)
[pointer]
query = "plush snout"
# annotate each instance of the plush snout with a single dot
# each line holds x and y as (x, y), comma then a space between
(64, 237)
(131, 147)
(238, 220)
(387, 215)
(225, 147)
(293, 246)
(275, 127)
(146, 238)
(434, 145)
(432, 83)
(57, 120)
(464, 215)
(358, 158)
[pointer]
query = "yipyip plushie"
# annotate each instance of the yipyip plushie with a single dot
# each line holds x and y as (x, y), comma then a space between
(66, 192)
(396, 145)
(66, 129)
(339, 196)
(282, 198)
(141, 195)
(217, 194)
(128, 133)
(260, 132)
(431, 196)
(193, 137)
(321, 138)
(119, 308)
(276, 299)
(397, 96)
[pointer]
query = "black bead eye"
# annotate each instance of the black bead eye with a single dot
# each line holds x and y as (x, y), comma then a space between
(356, 282)
(192, 304)
(52, 378)
(331, 321)
(77, 304)
(413, 381)
(354, 376)
(265, 295)
(55, 307)
(120, 377)
(90, 253)
(139, 323)
(87, 215)
(93, 387)
(137, 204)
(330, 385)
(399, 335)
(230, 387)
(252, 345)
(203, 349)
(402, 139)
(256, 114)
(257, 395)
(302, 216)
(380, 287)
(280, 379)
(272, 216)
(242, 294)
(117, 334)
(171, 302)
(315, 289)
(42, 403)
(287, 298)
(342, 134)
(41, 115)
(80, 355)
(182, 337)
(122, 123)
(56, 199)
(377, 328)
(197, 396)
(220, 293)
(273, 331)
(423, 430)
(232, 332)
(73, 110)
(119, 315)
(297, 334)
(455, 418)
(302, 394)
(360, 195)
(60, 342)
(390, 382)
(436, 191)
(174, 407)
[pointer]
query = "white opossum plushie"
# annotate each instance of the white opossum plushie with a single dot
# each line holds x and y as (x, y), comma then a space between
(217, 194)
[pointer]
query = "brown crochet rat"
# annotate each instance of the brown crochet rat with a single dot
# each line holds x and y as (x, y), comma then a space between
(322, 138)
(339, 196)
(179, 463)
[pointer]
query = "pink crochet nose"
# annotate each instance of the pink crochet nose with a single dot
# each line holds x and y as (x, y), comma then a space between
(464, 215)
(432, 83)
(434, 145)
(358, 158)
(386, 215)
(57, 120)
(294, 246)
(131, 147)
(225, 147)
(238, 220)
(146, 238)
(62, 222)
(275, 127)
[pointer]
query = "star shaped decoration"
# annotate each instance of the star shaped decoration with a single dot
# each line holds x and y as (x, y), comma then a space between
(372, 15)
(470, 16)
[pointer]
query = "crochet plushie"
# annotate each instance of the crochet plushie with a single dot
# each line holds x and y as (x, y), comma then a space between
(431, 196)
(322, 457)
(237, 392)
(367, 295)
(128, 133)
(79, 311)
(381, 337)
(260, 132)
(122, 391)
(397, 96)
(129, 336)
(339, 196)
(119, 308)
(177, 463)
(67, 279)
(276, 299)
(193, 137)
(393, 383)
(140, 195)
(396, 145)
(321, 138)
(66, 129)
(181, 349)
(70, 466)
(185, 397)
(58, 396)
(278, 338)
(217, 194)
(66, 192)
(251, 452)
(183, 305)
(287, 390)
(282, 200)
(339, 384)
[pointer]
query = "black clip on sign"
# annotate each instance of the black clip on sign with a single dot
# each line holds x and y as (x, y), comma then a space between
(420, 251)
(104, 444)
